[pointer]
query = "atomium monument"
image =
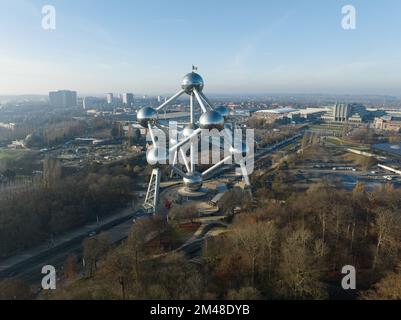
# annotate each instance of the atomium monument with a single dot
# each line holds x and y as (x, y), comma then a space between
(158, 156)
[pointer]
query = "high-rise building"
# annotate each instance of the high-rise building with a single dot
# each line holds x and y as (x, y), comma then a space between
(128, 99)
(109, 98)
(341, 112)
(63, 99)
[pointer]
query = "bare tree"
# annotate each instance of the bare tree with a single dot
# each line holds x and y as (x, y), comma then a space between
(70, 269)
(136, 243)
(245, 293)
(11, 289)
(388, 288)
(257, 241)
(298, 270)
(387, 227)
(119, 266)
(93, 249)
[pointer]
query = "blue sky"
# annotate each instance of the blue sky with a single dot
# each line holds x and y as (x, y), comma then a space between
(254, 46)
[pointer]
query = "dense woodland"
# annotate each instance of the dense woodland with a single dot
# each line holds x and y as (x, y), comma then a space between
(50, 209)
(285, 243)
(292, 249)
(33, 213)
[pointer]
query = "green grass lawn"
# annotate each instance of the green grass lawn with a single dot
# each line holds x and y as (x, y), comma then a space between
(357, 146)
(6, 154)
(333, 127)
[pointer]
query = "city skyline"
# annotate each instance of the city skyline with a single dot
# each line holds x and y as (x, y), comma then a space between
(284, 47)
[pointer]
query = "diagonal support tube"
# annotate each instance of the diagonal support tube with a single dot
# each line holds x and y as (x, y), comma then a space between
(185, 160)
(181, 143)
(206, 100)
(178, 94)
(200, 101)
(218, 164)
(178, 171)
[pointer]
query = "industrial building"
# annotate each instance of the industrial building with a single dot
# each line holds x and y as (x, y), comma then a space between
(287, 114)
(275, 115)
(309, 114)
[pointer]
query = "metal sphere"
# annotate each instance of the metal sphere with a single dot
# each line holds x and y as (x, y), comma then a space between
(192, 81)
(146, 115)
(193, 182)
(224, 111)
(243, 149)
(211, 120)
(188, 130)
(157, 156)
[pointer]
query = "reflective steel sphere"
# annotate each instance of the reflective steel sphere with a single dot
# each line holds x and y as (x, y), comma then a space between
(146, 115)
(193, 182)
(157, 156)
(224, 111)
(192, 80)
(211, 120)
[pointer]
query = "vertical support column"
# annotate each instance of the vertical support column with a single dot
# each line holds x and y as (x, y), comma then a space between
(191, 108)
(157, 190)
(175, 160)
(246, 178)
(152, 196)
(192, 157)
(192, 150)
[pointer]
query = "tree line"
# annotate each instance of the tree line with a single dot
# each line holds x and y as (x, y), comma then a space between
(35, 216)
(288, 249)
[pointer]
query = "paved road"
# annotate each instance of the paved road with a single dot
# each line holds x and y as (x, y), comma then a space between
(30, 268)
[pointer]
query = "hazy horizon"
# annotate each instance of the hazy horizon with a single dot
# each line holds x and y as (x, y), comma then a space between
(285, 47)
(233, 94)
